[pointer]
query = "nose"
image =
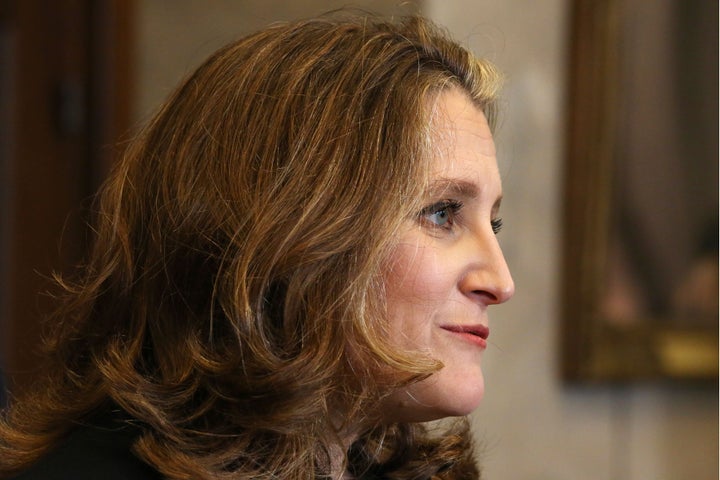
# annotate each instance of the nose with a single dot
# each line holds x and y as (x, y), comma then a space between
(487, 278)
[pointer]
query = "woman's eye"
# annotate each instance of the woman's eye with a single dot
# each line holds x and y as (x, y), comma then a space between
(496, 224)
(441, 214)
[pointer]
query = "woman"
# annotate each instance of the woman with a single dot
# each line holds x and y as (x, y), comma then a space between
(292, 269)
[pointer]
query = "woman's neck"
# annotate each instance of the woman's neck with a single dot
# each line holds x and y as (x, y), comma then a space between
(338, 456)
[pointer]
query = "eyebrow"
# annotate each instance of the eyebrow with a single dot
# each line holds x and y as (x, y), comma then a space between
(459, 188)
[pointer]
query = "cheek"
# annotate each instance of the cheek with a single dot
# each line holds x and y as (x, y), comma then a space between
(418, 284)
(414, 275)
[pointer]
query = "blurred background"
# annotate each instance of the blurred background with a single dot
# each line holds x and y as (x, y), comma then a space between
(77, 77)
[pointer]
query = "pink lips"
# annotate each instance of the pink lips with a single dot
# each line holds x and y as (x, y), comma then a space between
(476, 334)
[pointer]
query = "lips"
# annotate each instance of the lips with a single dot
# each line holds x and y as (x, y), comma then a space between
(476, 334)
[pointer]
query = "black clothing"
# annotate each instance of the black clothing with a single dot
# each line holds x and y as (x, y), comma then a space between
(100, 450)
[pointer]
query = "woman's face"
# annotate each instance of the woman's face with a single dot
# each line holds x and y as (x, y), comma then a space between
(447, 267)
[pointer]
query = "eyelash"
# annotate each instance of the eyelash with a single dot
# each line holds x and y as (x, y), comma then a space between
(452, 208)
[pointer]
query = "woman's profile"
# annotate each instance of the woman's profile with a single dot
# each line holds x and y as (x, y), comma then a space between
(292, 271)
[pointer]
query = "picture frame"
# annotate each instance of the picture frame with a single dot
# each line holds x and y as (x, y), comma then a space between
(626, 316)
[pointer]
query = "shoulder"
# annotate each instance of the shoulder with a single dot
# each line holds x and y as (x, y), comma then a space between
(102, 450)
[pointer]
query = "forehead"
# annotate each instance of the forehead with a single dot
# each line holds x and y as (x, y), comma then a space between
(461, 141)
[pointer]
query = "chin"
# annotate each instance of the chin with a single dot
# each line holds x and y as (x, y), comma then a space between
(433, 399)
(460, 406)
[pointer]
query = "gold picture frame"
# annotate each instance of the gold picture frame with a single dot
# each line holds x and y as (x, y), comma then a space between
(652, 342)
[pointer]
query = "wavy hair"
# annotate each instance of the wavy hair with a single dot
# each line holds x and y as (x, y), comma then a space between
(233, 302)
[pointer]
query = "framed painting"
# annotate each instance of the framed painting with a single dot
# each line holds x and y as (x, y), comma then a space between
(640, 251)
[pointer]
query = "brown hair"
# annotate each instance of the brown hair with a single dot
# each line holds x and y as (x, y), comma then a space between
(233, 302)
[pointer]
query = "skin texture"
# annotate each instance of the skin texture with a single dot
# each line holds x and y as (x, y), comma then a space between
(448, 267)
